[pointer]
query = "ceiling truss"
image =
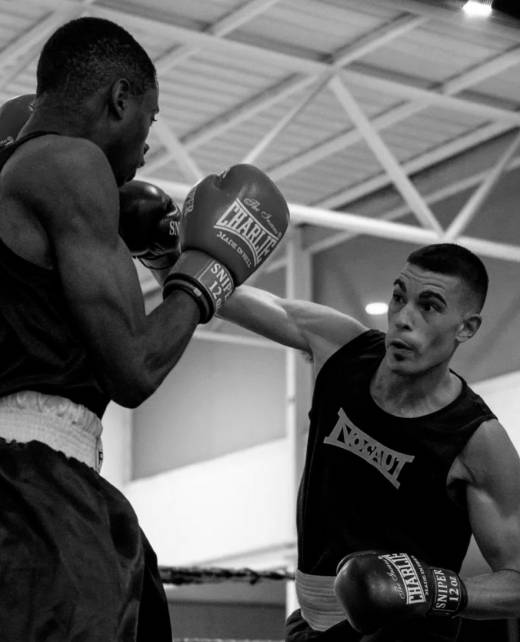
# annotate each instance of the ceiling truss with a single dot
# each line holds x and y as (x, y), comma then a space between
(301, 81)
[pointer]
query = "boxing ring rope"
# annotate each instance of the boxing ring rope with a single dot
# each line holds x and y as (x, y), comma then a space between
(182, 575)
(189, 575)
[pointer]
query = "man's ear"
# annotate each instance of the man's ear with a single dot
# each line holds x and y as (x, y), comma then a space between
(119, 97)
(468, 327)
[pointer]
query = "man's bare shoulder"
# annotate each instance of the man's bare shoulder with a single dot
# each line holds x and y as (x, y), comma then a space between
(325, 328)
(56, 158)
(488, 453)
(53, 172)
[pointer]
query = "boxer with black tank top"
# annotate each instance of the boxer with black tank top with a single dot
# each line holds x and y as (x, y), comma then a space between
(75, 334)
(404, 462)
(376, 481)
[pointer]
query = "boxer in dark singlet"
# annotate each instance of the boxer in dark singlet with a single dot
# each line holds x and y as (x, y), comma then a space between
(403, 460)
(74, 334)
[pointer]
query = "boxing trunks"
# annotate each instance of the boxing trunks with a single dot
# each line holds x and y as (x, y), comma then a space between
(376, 481)
(74, 564)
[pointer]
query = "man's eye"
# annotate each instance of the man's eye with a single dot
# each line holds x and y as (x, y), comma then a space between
(397, 297)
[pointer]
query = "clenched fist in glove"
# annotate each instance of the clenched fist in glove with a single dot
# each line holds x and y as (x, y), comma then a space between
(149, 224)
(231, 223)
(377, 589)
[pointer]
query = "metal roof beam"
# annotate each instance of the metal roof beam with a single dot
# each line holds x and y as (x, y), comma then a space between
(445, 11)
(385, 156)
(308, 66)
(395, 115)
(382, 80)
(374, 227)
(15, 57)
(222, 27)
(470, 209)
(177, 150)
(275, 131)
(376, 38)
(243, 112)
(416, 164)
(482, 71)
(165, 62)
(446, 191)
(341, 57)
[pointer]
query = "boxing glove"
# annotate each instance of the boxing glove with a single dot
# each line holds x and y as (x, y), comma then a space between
(231, 223)
(149, 224)
(378, 589)
(13, 115)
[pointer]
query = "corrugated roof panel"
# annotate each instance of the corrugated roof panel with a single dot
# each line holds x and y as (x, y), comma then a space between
(422, 133)
(320, 121)
(427, 54)
(311, 187)
(194, 96)
(463, 30)
(503, 85)
(16, 19)
(207, 70)
(26, 11)
(316, 27)
(184, 12)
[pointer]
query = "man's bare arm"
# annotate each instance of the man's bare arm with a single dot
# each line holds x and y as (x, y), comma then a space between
(310, 327)
(490, 467)
(69, 185)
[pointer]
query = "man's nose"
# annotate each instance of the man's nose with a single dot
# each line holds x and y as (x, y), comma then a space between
(404, 318)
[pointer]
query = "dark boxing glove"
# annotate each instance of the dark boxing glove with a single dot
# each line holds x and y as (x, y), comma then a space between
(377, 589)
(149, 224)
(231, 223)
(13, 115)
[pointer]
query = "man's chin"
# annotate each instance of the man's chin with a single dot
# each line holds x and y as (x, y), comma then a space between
(123, 181)
(400, 365)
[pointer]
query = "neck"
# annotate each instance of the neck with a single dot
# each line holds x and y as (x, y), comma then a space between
(66, 125)
(64, 117)
(414, 395)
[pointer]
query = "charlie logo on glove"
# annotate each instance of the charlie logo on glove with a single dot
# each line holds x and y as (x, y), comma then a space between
(405, 575)
(258, 241)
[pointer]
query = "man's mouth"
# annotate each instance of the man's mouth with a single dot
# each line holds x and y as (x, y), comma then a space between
(398, 344)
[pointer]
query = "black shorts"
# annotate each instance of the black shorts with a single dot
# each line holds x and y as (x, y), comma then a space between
(74, 564)
(420, 630)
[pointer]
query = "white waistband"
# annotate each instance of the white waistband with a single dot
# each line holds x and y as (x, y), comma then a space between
(318, 603)
(56, 421)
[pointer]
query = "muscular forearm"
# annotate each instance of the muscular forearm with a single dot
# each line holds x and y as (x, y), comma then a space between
(140, 361)
(265, 314)
(493, 596)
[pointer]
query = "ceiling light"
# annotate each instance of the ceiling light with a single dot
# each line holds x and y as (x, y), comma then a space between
(376, 308)
(480, 8)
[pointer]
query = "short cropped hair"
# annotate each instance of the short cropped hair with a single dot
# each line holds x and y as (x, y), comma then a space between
(454, 260)
(88, 53)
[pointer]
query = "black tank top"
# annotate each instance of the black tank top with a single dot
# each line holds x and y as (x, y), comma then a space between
(376, 481)
(40, 346)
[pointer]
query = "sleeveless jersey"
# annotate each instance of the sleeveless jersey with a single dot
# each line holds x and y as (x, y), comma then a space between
(374, 480)
(40, 346)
